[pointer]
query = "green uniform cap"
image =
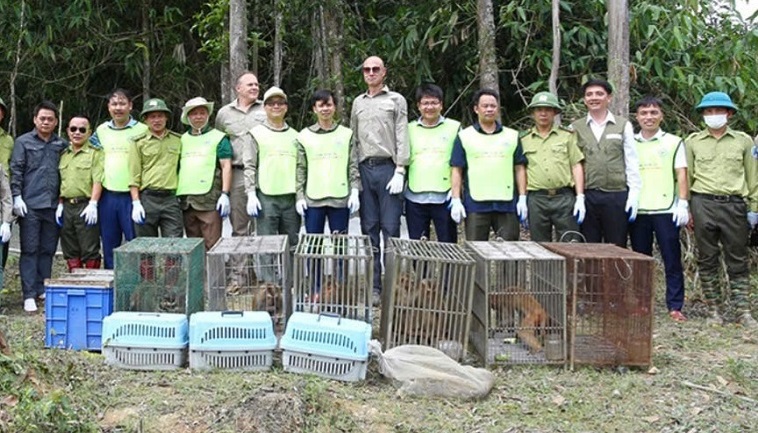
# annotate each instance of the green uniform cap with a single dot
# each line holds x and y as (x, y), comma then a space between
(154, 104)
(716, 99)
(545, 99)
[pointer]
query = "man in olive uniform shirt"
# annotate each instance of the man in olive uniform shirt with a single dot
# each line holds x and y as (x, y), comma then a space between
(723, 177)
(555, 173)
(6, 148)
(81, 169)
(153, 169)
(205, 173)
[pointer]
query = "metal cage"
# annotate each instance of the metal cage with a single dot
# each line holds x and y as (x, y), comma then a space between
(428, 288)
(610, 304)
(519, 306)
(251, 273)
(334, 273)
(160, 275)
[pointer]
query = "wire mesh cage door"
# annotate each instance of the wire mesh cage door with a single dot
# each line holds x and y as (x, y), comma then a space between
(610, 304)
(427, 298)
(519, 303)
(333, 273)
(251, 273)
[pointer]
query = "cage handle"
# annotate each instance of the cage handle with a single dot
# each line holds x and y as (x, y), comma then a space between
(332, 315)
(149, 314)
(232, 313)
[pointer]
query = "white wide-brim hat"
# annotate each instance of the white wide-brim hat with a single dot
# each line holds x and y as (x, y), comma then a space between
(194, 103)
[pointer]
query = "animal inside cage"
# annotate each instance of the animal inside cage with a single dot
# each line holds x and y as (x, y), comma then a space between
(160, 275)
(334, 273)
(610, 304)
(519, 306)
(250, 273)
(428, 288)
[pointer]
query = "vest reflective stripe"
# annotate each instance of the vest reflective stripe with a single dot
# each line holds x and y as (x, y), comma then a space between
(657, 172)
(197, 163)
(327, 155)
(277, 160)
(115, 143)
(429, 167)
(490, 163)
(604, 166)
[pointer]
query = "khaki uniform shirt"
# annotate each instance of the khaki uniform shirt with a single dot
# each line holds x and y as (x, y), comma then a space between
(723, 166)
(80, 169)
(6, 204)
(250, 157)
(154, 161)
(380, 127)
(6, 149)
(550, 159)
(236, 123)
(302, 173)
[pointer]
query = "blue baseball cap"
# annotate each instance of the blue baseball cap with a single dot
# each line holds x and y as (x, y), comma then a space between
(716, 99)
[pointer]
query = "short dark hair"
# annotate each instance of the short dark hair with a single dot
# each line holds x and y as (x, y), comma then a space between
(647, 101)
(597, 82)
(481, 92)
(80, 116)
(429, 90)
(322, 95)
(119, 92)
(46, 105)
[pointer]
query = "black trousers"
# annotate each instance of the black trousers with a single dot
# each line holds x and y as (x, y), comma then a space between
(606, 220)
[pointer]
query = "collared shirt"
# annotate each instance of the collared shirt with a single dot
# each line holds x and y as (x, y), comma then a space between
(380, 126)
(631, 161)
(95, 140)
(154, 161)
(680, 161)
(458, 159)
(6, 149)
(551, 158)
(250, 156)
(302, 173)
(34, 169)
(6, 202)
(426, 197)
(80, 169)
(723, 166)
(231, 120)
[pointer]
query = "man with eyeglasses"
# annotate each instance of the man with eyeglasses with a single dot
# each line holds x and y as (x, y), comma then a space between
(379, 120)
(431, 140)
(35, 181)
(81, 170)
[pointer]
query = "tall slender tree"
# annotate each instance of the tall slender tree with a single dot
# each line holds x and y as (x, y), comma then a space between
(618, 54)
(488, 70)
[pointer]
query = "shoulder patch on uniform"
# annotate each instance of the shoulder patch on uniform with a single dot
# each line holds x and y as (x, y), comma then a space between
(138, 137)
(568, 128)
(173, 133)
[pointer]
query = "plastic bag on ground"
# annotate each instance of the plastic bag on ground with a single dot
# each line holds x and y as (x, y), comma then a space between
(426, 371)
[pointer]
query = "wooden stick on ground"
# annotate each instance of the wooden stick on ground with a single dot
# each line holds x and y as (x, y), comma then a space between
(716, 391)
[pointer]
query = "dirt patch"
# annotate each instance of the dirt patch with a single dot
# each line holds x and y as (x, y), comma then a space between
(268, 411)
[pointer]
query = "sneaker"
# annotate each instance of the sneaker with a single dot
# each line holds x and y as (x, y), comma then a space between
(747, 321)
(714, 318)
(376, 299)
(677, 316)
(41, 297)
(30, 306)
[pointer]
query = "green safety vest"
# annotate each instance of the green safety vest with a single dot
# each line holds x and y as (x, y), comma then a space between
(197, 162)
(490, 163)
(657, 172)
(277, 160)
(604, 166)
(115, 143)
(328, 155)
(429, 167)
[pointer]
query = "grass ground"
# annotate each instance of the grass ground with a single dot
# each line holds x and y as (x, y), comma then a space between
(705, 380)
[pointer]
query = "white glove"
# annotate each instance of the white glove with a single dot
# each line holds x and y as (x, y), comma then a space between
(681, 214)
(752, 219)
(138, 212)
(521, 209)
(90, 213)
(353, 203)
(5, 232)
(222, 205)
(631, 207)
(457, 211)
(395, 185)
(19, 207)
(579, 209)
(253, 205)
(301, 206)
(59, 215)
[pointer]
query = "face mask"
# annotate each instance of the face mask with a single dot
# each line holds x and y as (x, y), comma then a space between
(715, 121)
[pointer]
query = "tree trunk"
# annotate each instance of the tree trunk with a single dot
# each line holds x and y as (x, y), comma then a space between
(278, 35)
(333, 15)
(146, 50)
(237, 39)
(618, 55)
(227, 92)
(254, 64)
(319, 47)
(488, 72)
(554, 68)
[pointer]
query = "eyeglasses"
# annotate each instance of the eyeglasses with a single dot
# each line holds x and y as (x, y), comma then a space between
(429, 103)
(277, 103)
(369, 69)
(81, 129)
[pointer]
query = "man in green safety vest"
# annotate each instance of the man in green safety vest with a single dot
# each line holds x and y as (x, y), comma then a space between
(431, 140)
(6, 148)
(205, 173)
(489, 170)
(723, 178)
(663, 198)
(555, 173)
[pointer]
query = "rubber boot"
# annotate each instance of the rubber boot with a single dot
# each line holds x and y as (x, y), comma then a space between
(73, 264)
(147, 269)
(740, 288)
(712, 297)
(92, 264)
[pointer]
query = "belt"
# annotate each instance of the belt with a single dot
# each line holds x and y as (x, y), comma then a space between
(552, 192)
(721, 198)
(159, 192)
(76, 200)
(373, 161)
(238, 166)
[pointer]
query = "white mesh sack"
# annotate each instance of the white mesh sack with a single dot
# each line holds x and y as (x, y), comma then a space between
(426, 371)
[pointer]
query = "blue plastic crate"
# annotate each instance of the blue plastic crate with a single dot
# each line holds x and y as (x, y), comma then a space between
(74, 315)
(239, 340)
(145, 341)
